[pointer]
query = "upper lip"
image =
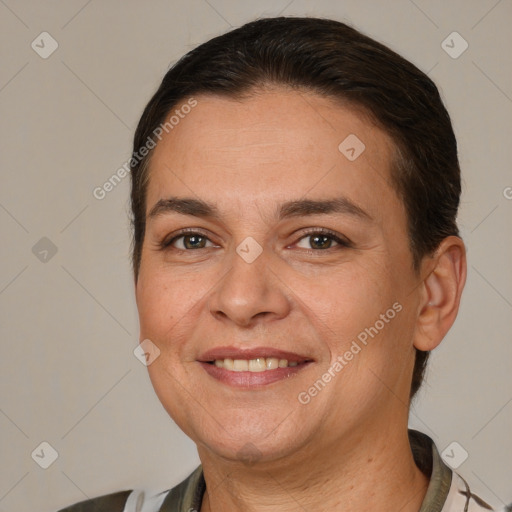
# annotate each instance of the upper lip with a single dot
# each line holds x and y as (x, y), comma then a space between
(251, 353)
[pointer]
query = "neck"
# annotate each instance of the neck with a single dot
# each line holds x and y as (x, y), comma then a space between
(370, 471)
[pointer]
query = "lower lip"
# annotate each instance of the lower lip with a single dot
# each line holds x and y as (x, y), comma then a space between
(252, 379)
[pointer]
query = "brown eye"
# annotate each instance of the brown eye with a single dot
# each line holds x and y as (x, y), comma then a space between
(189, 242)
(320, 241)
(194, 241)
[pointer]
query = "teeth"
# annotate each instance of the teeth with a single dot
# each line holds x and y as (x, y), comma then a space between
(272, 362)
(260, 364)
(257, 365)
(240, 365)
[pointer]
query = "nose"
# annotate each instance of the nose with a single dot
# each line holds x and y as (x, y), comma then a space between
(249, 293)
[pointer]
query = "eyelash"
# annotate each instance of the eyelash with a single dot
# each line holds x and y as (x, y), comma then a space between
(342, 242)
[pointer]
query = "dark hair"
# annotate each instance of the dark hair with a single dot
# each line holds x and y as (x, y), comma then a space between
(334, 60)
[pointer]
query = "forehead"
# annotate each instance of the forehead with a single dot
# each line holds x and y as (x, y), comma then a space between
(271, 146)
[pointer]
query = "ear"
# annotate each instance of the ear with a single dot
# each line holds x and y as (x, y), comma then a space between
(441, 293)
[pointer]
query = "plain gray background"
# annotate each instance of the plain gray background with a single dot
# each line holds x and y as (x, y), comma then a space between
(68, 320)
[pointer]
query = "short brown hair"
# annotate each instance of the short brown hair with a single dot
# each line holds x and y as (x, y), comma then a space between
(334, 60)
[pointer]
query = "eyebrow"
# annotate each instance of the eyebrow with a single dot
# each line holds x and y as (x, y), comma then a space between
(298, 208)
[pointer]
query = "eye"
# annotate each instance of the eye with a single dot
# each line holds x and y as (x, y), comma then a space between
(189, 241)
(321, 240)
(317, 240)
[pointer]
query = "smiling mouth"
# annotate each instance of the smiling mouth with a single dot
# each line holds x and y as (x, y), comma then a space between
(253, 373)
(252, 368)
(256, 365)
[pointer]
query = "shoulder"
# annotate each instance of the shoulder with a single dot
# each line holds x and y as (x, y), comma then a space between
(461, 497)
(447, 490)
(114, 502)
(187, 496)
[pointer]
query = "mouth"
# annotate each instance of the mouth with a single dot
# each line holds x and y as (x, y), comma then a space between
(259, 364)
(252, 367)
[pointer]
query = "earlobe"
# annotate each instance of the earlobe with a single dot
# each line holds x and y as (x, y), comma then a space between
(442, 290)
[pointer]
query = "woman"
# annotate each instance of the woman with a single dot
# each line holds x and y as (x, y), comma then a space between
(295, 186)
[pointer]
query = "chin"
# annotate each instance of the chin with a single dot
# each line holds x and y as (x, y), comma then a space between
(244, 450)
(249, 440)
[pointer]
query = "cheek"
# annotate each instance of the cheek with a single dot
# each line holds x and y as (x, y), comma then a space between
(162, 300)
(364, 321)
(347, 300)
(172, 305)
(155, 306)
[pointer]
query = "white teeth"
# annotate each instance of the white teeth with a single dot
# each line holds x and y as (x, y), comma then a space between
(259, 364)
(272, 362)
(240, 365)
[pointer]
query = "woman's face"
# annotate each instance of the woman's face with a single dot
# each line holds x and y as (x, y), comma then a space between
(295, 248)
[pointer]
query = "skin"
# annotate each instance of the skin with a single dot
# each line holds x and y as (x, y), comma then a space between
(347, 449)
